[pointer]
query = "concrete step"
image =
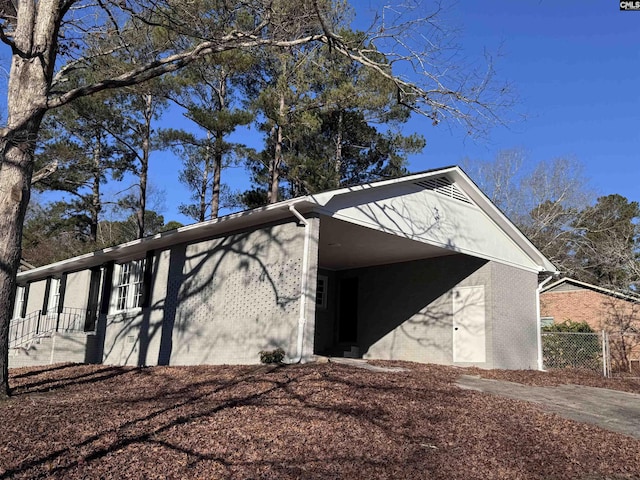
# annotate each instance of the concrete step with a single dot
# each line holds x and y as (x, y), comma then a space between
(59, 347)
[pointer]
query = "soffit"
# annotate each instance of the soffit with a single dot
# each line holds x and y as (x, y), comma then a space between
(344, 245)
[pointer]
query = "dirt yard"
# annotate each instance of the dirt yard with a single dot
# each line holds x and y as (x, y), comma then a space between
(317, 421)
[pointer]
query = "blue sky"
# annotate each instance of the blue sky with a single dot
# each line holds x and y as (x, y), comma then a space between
(575, 67)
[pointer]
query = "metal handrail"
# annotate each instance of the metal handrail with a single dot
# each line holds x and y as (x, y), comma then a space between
(34, 325)
(22, 330)
(69, 320)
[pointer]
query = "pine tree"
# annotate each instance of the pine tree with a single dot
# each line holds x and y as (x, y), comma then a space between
(210, 102)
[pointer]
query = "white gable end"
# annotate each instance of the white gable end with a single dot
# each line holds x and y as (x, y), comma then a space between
(437, 213)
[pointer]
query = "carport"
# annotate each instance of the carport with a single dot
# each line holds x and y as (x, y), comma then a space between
(424, 268)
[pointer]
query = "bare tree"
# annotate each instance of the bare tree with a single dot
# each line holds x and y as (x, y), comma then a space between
(50, 39)
(609, 250)
(545, 200)
(621, 320)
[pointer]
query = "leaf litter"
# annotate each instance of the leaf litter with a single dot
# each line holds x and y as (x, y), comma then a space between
(315, 421)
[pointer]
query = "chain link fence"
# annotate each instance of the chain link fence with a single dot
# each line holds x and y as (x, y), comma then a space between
(624, 353)
(608, 353)
(573, 350)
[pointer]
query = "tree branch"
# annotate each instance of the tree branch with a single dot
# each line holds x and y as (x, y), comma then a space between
(73, 65)
(44, 172)
(6, 39)
(175, 62)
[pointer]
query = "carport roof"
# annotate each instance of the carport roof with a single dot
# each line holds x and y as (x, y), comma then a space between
(321, 203)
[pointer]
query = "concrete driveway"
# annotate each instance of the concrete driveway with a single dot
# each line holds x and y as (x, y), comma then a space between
(609, 409)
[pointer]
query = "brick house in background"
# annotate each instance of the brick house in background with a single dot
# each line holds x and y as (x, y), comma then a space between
(603, 309)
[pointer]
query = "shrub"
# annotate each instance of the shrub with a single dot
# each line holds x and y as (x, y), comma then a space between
(569, 327)
(272, 356)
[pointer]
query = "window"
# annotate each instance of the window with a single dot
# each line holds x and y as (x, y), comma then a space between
(321, 291)
(129, 286)
(20, 299)
(546, 321)
(54, 297)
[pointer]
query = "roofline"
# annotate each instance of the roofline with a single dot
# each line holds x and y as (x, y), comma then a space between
(277, 211)
(478, 196)
(590, 286)
(196, 231)
(545, 265)
(323, 198)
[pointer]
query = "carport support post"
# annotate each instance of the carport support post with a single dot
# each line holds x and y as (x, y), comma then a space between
(539, 321)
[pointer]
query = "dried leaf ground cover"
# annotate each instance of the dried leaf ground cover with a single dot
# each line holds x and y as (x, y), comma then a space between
(319, 421)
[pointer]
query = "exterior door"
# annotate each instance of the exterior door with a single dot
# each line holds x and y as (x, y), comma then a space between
(348, 311)
(469, 337)
(93, 301)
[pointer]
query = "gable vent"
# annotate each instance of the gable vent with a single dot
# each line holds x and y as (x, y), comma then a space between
(444, 186)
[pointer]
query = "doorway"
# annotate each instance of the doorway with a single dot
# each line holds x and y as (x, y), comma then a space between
(348, 311)
(469, 335)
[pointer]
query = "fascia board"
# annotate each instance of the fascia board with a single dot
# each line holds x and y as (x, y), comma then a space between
(324, 198)
(606, 291)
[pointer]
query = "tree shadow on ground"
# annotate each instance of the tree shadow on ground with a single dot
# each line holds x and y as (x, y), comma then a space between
(310, 421)
(57, 383)
(32, 371)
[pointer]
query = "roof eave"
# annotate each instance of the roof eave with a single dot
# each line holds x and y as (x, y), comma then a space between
(590, 286)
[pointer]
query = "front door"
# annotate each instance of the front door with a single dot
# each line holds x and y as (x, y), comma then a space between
(348, 311)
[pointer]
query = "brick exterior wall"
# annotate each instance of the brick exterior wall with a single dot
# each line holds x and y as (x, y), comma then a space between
(220, 301)
(584, 305)
(601, 312)
(224, 299)
(514, 326)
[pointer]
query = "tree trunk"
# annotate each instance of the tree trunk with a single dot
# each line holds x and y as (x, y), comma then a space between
(276, 164)
(274, 168)
(338, 161)
(204, 183)
(144, 164)
(35, 37)
(15, 179)
(17, 144)
(218, 151)
(217, 169)
(96, 205)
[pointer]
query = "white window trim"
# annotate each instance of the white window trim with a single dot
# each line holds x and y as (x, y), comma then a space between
(134, 291)
(54, 296)
(322, 303)
(18, 304)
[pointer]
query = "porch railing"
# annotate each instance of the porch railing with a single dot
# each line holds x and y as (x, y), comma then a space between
(24, 330)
